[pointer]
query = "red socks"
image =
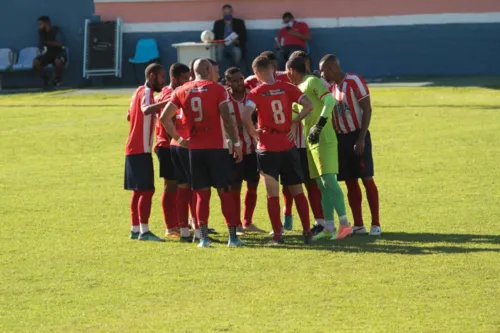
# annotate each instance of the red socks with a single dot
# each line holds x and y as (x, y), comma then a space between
(273, 208)
(355, 199)
(169, 207)
(192, 208)
(182, 202)
(372, 196)
(314, 195)
(144, 205)
(303, 210)
(229, 209)
(134, 208)
(250, 203)
(288, 198)
(237, 203)
(202, 206)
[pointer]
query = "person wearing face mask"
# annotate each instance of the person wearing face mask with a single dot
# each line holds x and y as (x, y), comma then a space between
(292, 36)
(234, 32)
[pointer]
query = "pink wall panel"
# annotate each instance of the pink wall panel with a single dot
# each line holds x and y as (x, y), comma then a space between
(208, 10)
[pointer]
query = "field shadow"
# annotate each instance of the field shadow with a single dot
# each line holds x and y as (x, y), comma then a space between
(394, 242)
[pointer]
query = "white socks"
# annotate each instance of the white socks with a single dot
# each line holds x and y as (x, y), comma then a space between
(135, 228)
(144, 228)
(185, 232)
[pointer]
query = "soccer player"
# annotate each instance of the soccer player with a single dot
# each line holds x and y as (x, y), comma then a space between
(139, 173)
(179, 74)
(215, 70)
(321, 148)
(277, 155)
(247, 169)
(252, 81)
(351, 119)
(205, 105)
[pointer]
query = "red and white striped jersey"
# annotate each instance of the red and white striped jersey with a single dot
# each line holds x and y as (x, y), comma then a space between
(236, 109)
(348, 114)
(140, 137)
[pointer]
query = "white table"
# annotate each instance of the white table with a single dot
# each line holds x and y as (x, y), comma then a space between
(192, 50)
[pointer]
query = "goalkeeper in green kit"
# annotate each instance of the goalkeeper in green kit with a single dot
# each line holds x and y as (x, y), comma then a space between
(321, 145)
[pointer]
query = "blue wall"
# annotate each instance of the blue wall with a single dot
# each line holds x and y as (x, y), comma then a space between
(425, 50)
(19, 30)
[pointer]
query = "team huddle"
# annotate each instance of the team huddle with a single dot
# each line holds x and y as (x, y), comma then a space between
(294, 127)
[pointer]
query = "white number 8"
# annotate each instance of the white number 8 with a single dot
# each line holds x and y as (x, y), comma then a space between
(278, 115)
(196, 107)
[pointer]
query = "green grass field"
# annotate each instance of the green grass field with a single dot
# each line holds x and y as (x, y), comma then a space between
(67, 264)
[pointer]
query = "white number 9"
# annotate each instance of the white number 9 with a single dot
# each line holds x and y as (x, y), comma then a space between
(196, 107)
(278, 115)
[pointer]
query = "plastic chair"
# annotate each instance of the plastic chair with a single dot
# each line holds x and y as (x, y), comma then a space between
(6, 59)
(25, 60)
(146, 51)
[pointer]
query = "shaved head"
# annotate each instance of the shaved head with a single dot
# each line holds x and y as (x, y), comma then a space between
(329, 67)
(202, 69)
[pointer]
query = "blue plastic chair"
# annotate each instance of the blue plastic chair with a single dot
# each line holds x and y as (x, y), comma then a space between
(146, 51)
(25, 60)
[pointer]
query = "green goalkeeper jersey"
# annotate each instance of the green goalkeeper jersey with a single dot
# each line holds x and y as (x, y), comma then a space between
(315, 90)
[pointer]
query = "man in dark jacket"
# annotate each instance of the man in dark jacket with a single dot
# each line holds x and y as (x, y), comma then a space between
(233, 48)
(51, 50)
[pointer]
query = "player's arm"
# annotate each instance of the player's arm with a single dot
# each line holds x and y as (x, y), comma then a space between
(152, 108)
(230, 128)
(307, 108)
(366, 106)
(326, 112)
(167, 120)
(248, 121)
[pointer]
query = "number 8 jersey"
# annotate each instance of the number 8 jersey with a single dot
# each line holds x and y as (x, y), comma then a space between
(199, 101)
(274, 114)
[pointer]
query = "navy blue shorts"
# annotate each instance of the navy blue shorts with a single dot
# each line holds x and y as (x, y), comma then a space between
(304, 164)
(247, 170)
(284, 166)
(210, 168)
(180, 162)
(167, 170)
(139, 172)
(352, 166)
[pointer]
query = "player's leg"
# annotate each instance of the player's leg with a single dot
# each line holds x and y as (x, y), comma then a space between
(237, 170)
(292, 176)
(313, 193)
(366, 172)
(251, 176)
(134, 215)
(39, 65)
(59, 62)
(287, 209)
(355, 198)
(200, 184)
(184, 193)
(169, 195)
(220, 169)
(268, 163)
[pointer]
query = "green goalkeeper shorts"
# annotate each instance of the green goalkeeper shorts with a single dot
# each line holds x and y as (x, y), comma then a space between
(323, 159)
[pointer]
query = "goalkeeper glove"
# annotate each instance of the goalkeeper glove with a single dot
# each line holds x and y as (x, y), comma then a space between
(315, 131)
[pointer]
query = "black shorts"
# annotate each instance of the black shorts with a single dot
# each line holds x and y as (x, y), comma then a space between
(180, 163)
(139, 173)
(167, 170)
(247, 170)
(284, 166)
(304, 164)
(50, 57)
(352, 166)
(210, 168)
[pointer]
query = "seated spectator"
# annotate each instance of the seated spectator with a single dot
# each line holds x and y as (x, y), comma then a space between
(292, 37)
(232, 50)
(52, 51)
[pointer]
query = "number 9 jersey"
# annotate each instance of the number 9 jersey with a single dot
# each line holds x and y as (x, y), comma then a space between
(274, 114)
(199, 101)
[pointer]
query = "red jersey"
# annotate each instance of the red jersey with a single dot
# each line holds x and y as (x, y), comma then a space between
(348, 114)
(274, 113)
(285, 38)
(252, 82)
(236, 109)
(200, 102)
(162, 138)
(140, 137)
